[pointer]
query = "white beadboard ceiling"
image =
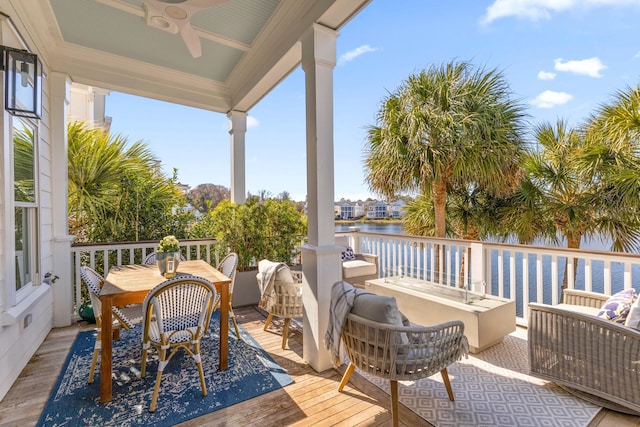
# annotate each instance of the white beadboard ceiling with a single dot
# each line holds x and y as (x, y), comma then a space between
(247, 46)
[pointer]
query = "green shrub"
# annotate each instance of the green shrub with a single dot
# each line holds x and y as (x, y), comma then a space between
(256, 230)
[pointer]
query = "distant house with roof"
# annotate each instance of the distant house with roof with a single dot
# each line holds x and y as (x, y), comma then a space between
(351, 210)
(396, 209)
(377, 210)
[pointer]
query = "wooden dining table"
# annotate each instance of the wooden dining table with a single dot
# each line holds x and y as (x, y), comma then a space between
(130, 284)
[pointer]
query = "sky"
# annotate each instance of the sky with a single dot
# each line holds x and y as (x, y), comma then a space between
(562, 59)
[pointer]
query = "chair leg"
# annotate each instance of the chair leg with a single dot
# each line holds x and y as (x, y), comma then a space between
(143, 367)
(393, 385)
(198, 360)
(233, 319)
(285, 332)
(266, 323)
(447, 383)
(346, 376)
(96, 352)
(156, 388)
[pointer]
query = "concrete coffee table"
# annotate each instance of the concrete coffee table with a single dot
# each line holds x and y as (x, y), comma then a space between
(487, 319)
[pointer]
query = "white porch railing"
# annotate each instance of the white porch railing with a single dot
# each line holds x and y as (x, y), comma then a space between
(102, 257)
(520, 272)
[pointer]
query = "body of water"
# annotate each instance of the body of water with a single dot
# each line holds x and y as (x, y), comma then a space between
(392, 227)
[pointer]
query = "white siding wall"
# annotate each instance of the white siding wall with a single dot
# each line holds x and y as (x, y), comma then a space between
(24, 325)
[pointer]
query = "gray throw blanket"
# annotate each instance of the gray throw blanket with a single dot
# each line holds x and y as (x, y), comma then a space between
(343, 295)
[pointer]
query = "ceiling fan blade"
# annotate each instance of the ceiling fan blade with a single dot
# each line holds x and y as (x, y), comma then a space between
(191, 39)
(202, 4)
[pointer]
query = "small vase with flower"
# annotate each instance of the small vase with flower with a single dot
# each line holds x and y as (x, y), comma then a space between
(168, 256)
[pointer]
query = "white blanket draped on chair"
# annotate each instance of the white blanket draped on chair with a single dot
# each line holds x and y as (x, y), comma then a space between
(268, 270)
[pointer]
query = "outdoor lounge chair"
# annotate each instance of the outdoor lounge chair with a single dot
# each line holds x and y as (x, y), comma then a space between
(282, 297)
(381, 342)
(176, 313)
(591, 357)
(357, 267)
(123, 317)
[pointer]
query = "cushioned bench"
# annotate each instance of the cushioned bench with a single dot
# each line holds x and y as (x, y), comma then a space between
(590, 356)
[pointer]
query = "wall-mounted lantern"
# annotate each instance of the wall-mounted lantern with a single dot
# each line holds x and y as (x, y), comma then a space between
(22, 82)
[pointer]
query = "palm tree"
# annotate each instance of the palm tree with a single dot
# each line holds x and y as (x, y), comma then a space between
(98, 164)
(567, 191)
(613, 155)
(560, 190)
(450, 126)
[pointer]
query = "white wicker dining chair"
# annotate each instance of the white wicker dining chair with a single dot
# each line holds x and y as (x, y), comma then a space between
(123, 317)
(228, 266)
(176, 313)
(401, 353)
(285, 298)
(151, 258)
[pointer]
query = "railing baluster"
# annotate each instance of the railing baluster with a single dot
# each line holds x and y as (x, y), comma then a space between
(512, 275)
(525, 285)
(539, 287)
(554, 280)
(607, 277)
(501, 273)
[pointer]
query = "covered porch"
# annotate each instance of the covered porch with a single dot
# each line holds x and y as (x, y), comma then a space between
(222, 56)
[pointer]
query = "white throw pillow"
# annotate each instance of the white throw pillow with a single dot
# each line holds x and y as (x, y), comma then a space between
(633, 318)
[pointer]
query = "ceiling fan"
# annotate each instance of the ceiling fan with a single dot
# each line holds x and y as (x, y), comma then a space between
(174, 16)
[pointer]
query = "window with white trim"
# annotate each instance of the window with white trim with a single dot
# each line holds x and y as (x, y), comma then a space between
(25, 215)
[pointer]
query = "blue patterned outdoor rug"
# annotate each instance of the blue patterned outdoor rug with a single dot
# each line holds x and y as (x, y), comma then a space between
(73, 401)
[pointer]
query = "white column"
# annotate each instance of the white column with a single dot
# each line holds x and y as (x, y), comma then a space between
(63, 288)
(321, 261)
(237, 130)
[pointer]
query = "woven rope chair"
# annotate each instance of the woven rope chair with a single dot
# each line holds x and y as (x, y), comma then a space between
(228, 266)
(176, 313)
(151, 258)
(123, 317)
(285, 299)
(375, 348)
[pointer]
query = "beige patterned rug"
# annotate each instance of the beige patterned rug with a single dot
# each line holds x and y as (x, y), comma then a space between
(493, 389)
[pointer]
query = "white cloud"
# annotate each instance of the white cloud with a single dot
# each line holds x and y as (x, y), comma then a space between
(353, 54)
(589, 67)
(252, 122)
(543, 9)
(550, 99)
(546, 75)
(637, 55)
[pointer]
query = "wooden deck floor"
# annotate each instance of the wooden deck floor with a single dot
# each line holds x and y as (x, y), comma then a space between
(312, 400)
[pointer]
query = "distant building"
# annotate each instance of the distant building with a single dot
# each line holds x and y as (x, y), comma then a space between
(377, 210)
(396, 209)
(183, 187)
(351, 210)
(188, 208)
(87, 104)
